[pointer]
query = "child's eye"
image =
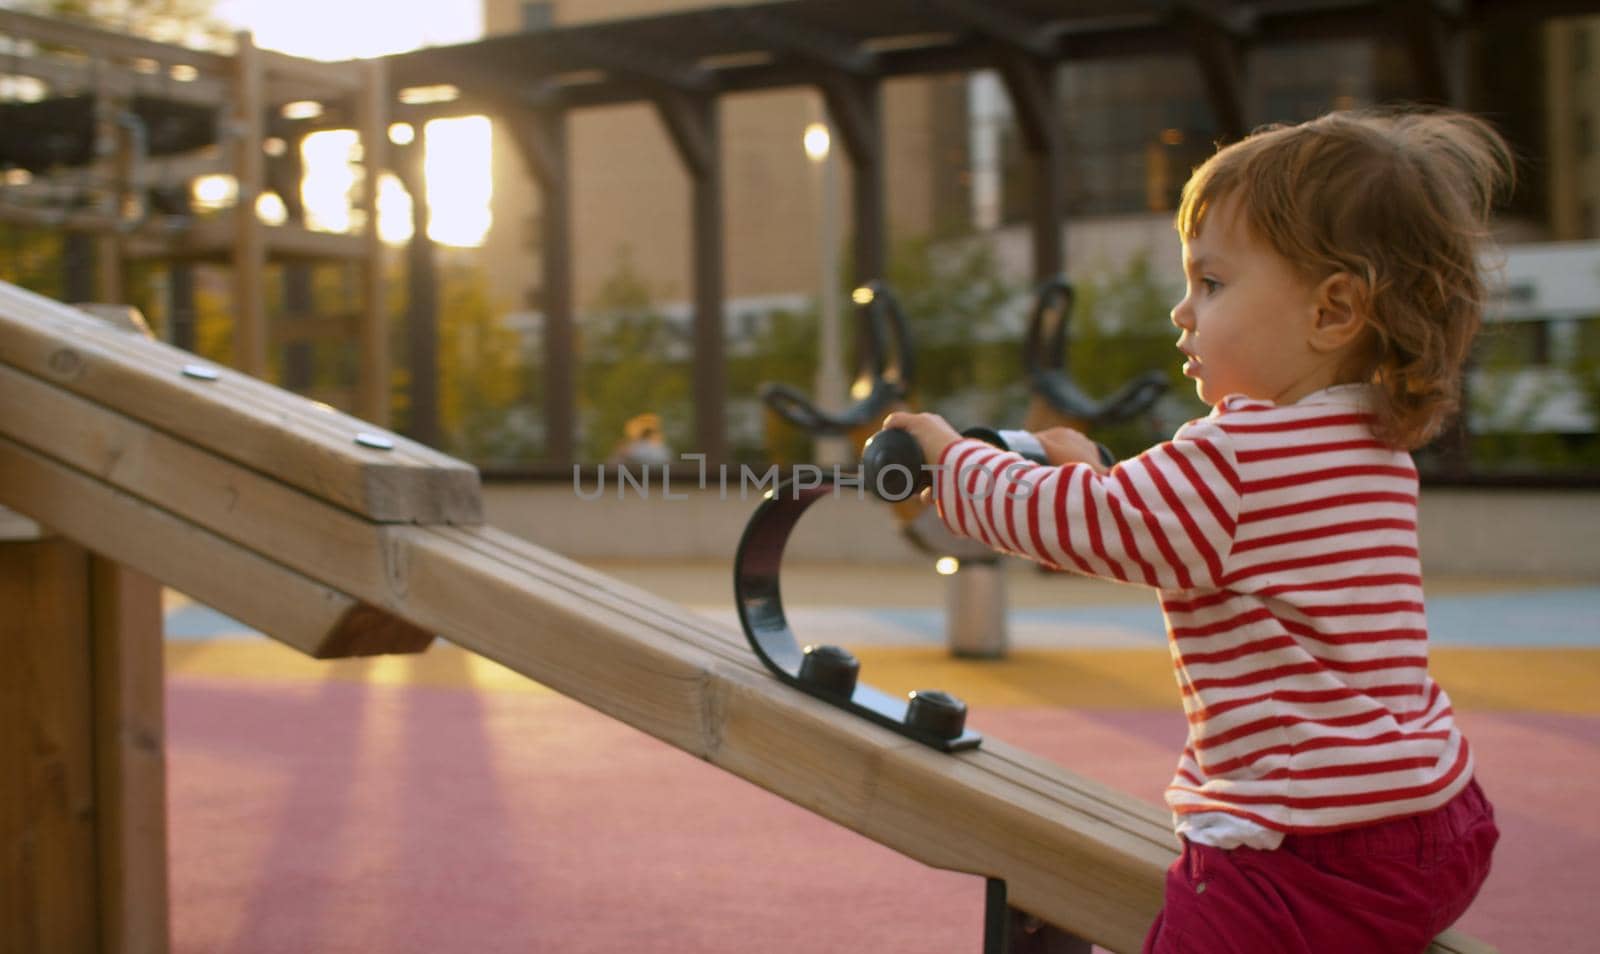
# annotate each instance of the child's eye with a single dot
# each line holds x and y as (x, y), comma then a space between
(1211, 285)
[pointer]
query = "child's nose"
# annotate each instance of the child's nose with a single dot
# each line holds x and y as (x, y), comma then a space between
(1182, 316)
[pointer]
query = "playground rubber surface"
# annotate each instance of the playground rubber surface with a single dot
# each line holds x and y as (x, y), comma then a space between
(440, 803)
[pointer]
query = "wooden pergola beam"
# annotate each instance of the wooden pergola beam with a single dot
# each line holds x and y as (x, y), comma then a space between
(998, 24)
(1217, 38)
(1031, 84)
(855, 105)
(694, 126)
(540, 137)
(1432, 38)
(829, 50)
(638, 63)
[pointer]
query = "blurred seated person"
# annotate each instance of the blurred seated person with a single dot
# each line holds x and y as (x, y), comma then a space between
(642, 445)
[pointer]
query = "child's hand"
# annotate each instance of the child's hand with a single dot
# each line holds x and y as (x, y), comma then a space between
(1063, 445)
(933, 433)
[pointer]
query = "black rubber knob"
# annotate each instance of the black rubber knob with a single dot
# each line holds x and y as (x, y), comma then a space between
(937, 713)
(891, 466)
(830, 669)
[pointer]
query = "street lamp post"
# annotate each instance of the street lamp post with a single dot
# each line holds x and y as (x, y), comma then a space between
(830, 384)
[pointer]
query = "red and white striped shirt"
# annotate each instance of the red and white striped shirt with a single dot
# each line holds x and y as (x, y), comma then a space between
(1283, 541)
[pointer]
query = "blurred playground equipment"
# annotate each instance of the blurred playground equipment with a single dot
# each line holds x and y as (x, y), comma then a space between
(976, 602)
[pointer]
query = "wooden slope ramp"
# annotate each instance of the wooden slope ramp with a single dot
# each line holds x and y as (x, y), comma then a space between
(262, 504)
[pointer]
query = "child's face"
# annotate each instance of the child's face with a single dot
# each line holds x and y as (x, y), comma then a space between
(1245, 316)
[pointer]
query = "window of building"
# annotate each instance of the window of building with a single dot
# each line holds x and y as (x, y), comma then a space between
(1580, 48)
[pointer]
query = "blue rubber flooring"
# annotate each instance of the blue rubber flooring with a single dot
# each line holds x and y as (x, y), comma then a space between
(1555, 618)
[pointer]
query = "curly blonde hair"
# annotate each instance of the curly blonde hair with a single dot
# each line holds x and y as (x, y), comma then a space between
(1399, 200)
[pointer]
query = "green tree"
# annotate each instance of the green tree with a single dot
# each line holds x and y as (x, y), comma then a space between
(634, 360)
(1121, 327)
(953, 298)
(184, 22)
(485, 392)
(31, 258)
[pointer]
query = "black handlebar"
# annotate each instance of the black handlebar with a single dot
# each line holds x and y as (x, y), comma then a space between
(1044, 359)
(886, 361)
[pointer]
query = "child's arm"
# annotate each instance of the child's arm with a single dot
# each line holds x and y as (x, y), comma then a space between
(1165, 518)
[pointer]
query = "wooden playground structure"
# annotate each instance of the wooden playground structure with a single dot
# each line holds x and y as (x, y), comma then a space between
(340, 539)
(103, 136)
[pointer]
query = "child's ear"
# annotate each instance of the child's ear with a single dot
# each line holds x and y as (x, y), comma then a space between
(1341, 306)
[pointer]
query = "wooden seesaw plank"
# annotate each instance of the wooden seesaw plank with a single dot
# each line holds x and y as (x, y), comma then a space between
(315, 619)
(298, 442)
(1071, 852)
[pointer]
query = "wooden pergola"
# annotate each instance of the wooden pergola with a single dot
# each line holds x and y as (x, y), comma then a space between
(682, 63)
(121, 128)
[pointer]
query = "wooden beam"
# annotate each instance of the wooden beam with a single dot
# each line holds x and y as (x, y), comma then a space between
(855, 106)
(57, 32)
(334, 79)
(540, 136)
(296, 441)
(125, 636)
(695, 129)
(317, 620)
(997, 23)
(1434, 47)
(1031, 84)
(422, 295)
(820, 47)
(249, 242)
(120, 81)
(373, 127)
(691, 123)
(636, 63)
(1219, 50)
(47, 793)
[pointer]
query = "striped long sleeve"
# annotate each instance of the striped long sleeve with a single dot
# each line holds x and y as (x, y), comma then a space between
(1283, 543)
(1165, 519)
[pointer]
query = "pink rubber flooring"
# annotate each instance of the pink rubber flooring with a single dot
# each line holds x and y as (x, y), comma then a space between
(341, 817)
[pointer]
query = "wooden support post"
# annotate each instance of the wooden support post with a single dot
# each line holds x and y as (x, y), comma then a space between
(422, 296)
(77, 267)
(1218, 47)
(284, 176)
(250, 241)
(1434, 46)
(540, 135)
(130, 758)
(82, 790)
(372, 402)
(855, 105)
(1030, 82)
(693, 123)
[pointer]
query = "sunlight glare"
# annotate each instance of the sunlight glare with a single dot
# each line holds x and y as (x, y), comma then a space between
(394, 211)
(457, 170)
(270, 208)
(214, 191)
(329, 179)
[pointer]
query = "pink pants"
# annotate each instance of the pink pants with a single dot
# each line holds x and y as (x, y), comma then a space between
(1382, 888)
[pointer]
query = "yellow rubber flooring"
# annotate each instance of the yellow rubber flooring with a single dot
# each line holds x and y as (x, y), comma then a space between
(1536, 680)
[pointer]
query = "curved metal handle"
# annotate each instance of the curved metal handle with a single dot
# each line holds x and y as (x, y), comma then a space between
(1044, 358)
(886, 362)
(1045, 346)
(760, 604)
